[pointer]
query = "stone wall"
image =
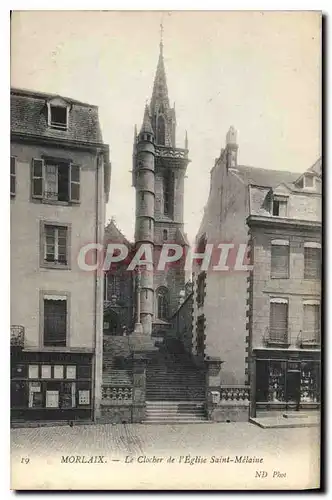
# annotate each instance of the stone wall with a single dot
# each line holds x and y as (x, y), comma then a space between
(182, 323)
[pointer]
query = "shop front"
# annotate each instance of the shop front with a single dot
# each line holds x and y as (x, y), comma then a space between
(51, 386)
(285, 380)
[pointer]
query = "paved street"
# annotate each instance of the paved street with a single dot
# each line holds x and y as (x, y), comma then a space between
(290, 451)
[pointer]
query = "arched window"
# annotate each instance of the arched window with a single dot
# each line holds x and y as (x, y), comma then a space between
(162, 303)
(161, 131)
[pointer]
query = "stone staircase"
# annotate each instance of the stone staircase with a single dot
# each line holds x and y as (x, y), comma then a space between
(175, 412)
(175, 387)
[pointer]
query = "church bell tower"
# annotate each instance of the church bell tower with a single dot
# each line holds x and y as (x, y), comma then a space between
(159, 168)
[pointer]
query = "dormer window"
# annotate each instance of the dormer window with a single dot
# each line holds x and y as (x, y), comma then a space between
(58, 114)
(279, 206)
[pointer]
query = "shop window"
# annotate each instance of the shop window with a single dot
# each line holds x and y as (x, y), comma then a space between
(276, 381)
(35, 395)
(70, 371)
(58, 371)
(312, 261)
(280, 260)
(55, 321)
(310, 382)
(19, 370)
(33, 371)
(83, 371)
(68, 395)
(46, 371)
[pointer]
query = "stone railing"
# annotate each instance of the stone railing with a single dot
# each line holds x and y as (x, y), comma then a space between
(228, 403)
(17, 335)
(117, 395)
(234, 394)
(171, 152)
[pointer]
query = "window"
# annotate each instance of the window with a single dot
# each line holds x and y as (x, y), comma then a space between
(201, 280)
(168, 193)
(200, 334)
(279, 259)
(55, 181)
(308, 181)
(161, 131)
(278, 332)
(55, 241)
(311, 322)
(279, 207)
(12, 176)
(312, 260)
(58, 117)
(162, 303)
(55, 321)
(165, 234)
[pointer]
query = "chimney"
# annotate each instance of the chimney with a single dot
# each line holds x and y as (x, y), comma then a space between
(231, 148)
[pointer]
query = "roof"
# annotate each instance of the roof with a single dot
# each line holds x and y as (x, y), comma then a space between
(146, 125)
(114, 235)
(316, 167)
(265, 177)
(29, 117)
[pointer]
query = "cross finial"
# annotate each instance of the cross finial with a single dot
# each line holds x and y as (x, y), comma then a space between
(161, 37)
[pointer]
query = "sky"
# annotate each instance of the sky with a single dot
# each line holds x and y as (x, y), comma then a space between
(257, 71)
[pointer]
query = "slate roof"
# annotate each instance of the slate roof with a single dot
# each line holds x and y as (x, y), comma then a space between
(265, 177)
(29, 117)
(114, 235)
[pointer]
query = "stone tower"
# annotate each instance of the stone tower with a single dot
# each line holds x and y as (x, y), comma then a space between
(159, 169)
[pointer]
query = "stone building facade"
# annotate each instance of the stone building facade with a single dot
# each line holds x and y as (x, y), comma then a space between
(227, 316)
(284, 294)
(60, 177)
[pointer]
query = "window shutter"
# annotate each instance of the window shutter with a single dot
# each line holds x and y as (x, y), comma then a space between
(12, 175)
(74, 183)
(278, 322)
(312, 263)
(280, 261)
(311, 322)
(37, 178)
(55, 322)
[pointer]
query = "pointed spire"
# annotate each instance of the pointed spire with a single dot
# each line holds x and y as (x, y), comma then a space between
(161, 45)
(160, 92)
(186, 141)
(135, 133)
(146, 125)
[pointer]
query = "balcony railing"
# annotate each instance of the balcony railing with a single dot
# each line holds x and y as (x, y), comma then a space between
(17, 335)
(276, 337)
(308, 338)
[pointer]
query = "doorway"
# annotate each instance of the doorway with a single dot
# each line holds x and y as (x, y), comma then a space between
(293, 388)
